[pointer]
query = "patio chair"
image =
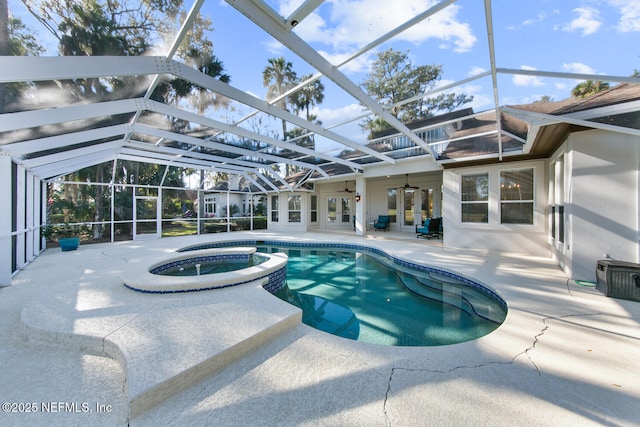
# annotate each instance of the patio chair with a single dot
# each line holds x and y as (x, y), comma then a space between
(382, 223)
(432, 227)
(424, 229)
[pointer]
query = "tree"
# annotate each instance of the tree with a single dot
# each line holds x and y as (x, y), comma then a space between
(4, 28)
(393, 79)
(588, 88)
(105, 27)
(16, 39)
(544, 98)
(302, 100)
(309, 95)
(278, 77)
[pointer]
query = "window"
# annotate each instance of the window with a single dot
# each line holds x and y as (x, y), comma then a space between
(314, 208)
(561, 224)
(475, 198)
(295, 208)
(210, 206)
(392, 200)
(427, 204)
(274, 208)
(516, 196)
(557, 200)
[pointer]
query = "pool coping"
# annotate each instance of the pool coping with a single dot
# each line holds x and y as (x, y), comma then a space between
(138, 277)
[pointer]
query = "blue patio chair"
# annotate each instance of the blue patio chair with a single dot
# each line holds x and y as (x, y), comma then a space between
(382, 223)
(432, 227)
(423, 229)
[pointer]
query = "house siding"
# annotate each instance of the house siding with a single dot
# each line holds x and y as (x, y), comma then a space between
(601, 201)
(493, 235)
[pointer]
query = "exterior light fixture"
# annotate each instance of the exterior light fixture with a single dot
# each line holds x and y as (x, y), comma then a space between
(358, 198)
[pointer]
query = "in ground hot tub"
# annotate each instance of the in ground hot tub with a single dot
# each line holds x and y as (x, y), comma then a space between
(207, 269)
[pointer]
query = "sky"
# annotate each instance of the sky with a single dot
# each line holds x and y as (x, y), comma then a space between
(586, 36)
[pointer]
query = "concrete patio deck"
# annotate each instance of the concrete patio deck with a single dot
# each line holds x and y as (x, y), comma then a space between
(80, 349)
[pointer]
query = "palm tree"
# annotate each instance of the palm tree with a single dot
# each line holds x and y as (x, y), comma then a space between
(210, 65)
(588, 88)
(278, 77)
(309, 95)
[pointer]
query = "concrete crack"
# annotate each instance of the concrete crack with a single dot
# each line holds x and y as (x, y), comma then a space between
(386, 395)
(525, 352)
(542, 332)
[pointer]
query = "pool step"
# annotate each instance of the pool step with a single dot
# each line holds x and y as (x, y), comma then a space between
(451, 291)
(178, 341)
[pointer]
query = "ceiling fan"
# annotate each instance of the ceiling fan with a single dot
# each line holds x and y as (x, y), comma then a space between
(406, 185)
(346, 189)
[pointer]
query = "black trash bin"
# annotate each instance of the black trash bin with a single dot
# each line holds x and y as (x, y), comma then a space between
(618, 279)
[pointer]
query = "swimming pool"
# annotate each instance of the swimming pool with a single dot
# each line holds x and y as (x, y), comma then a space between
(367, 295)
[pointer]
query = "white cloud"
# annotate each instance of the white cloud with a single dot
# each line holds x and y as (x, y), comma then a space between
(588, 21)
(353, 24)
(481, 101)
(274, 47)
(475, 71)
(521, 80)
(629, 15)
(578, 67)
(330, 116)
(539, 18)
(360, 64)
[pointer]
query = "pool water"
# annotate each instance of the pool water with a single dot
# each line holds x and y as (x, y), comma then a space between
(365, 297)
(208, 265)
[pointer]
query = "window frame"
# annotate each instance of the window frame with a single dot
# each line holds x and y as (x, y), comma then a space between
(476, 202)
(275, 208)
(503, 201)
(295, 215)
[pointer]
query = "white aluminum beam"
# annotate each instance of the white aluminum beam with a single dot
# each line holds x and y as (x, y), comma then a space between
(304, 10)
(171, 162)
(178, 153)
(52, 171)
(50, 116)
(194, 163)
(42, 68)
(573, 76)
(494, 75)
(70, 154)
(19, 149)
(254, 182)
(549, 119)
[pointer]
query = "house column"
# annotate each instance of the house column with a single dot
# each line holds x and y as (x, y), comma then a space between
(21, 209)
(361, 212)
(31, 204)
(6, 250)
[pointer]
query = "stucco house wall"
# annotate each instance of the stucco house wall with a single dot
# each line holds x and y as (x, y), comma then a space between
(493, 235)
(601, 197)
